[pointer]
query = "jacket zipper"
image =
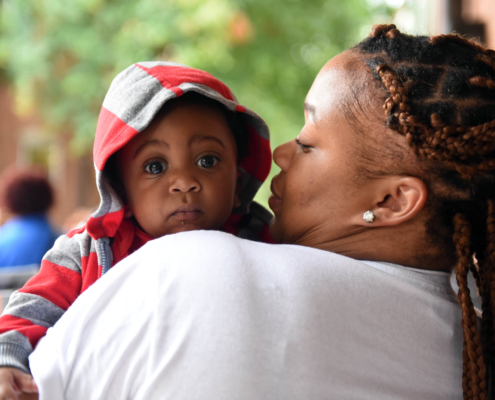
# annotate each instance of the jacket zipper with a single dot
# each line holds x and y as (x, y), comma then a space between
(104, 244)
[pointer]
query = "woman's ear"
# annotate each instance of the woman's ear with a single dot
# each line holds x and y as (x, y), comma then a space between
(398, 199)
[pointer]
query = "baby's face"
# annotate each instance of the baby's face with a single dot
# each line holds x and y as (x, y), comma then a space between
(180, 173)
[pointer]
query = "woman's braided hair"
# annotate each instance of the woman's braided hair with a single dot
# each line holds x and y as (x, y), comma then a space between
(441, 98)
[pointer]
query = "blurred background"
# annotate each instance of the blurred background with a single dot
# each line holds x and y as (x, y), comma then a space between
(58, 57)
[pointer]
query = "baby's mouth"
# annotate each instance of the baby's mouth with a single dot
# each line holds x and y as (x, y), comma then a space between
(186, 213)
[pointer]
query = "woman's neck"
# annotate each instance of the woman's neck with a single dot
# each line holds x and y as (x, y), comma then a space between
(404, 245)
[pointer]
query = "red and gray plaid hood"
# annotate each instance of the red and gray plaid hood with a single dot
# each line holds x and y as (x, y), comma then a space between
(134, 97)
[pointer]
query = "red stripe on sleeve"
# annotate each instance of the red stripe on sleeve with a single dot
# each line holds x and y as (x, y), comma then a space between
(33, 332)
(57, 284)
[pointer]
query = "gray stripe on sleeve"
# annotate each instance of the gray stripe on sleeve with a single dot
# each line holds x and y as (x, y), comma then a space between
(14, 350)
(67, 252)
(33, 308)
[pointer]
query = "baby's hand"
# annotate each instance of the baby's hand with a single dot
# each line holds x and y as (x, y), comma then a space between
(16, 385)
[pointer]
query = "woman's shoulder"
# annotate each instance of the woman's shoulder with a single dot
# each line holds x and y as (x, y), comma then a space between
(217, 244)
(189, 254)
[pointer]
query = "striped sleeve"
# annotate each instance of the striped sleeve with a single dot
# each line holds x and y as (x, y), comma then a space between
(42, 300)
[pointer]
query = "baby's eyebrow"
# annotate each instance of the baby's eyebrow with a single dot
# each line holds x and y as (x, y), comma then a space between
(153, 142)
(199, 138)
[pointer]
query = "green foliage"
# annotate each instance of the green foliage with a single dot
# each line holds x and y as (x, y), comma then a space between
(61, 55)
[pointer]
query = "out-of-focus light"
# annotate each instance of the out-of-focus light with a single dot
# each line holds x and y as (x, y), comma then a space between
(395, 3)
(241, 30)
(405, 20)
(295, 53)
(309, 52)
(365, 31)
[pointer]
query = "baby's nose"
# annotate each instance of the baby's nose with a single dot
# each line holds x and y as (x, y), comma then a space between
(184, 182)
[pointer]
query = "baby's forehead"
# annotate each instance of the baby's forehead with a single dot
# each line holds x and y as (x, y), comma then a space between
(187, 126)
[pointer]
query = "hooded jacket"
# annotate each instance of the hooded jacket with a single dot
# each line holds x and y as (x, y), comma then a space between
(83, 255)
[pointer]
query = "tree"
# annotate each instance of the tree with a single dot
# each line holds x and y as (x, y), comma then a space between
(61, 55)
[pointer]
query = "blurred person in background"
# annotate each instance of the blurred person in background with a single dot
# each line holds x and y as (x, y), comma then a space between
(27, 235)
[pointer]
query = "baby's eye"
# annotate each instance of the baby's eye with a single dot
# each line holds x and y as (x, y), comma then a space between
(207, 161)
(155, 167)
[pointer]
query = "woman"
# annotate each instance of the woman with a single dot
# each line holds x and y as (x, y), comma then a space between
(394, 167)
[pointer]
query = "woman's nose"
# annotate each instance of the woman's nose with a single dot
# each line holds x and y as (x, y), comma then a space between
(282, 155)
(183, 181)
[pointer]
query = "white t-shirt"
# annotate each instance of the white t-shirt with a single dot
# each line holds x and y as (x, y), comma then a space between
(206, 315)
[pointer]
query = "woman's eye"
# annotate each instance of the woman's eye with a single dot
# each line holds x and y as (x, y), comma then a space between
(303, 147)
(155, 167)
(207, 161)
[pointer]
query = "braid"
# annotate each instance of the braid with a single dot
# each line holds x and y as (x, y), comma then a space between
(441, 98)
(438, 39)
(487, 288)
(484, 82)
(386, 31)
(441, 142)
(474, 375)
(488, 58)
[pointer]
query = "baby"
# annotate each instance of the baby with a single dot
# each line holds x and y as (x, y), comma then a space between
(174, 151)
